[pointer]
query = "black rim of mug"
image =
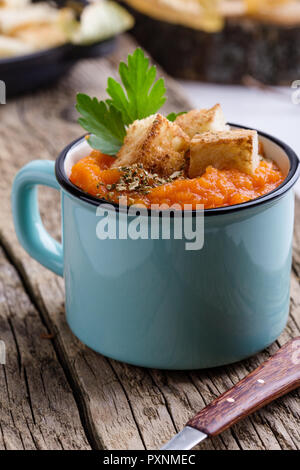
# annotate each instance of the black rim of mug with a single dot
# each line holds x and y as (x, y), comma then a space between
(290, 180)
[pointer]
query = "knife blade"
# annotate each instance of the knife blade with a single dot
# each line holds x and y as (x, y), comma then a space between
(277, 376)
(185, 439)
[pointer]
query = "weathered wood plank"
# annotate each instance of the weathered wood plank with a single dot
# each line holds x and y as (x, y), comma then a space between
(37, 407)
(124, 407)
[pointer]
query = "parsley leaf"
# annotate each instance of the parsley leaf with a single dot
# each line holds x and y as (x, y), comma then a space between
(173, 116)
(142, 97)
(104, 121)
(138, 96)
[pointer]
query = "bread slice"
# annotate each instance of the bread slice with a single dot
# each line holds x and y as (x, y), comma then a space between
(42, 36)
(11, 19)
(202, 120)
(10, 47)
(157, 143)
(230, 149)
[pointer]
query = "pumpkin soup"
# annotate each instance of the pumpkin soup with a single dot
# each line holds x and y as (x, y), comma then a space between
(214, 188)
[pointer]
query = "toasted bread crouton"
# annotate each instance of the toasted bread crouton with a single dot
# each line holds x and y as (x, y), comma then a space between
(42, 36)
(157, 143)
(230, 149)
(202, 120)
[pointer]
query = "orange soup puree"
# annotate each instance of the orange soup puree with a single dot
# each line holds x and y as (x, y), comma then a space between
(215, 188)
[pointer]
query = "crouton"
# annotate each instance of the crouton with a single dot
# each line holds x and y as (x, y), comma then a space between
(157, 143)
(230, 149)
(202, 120)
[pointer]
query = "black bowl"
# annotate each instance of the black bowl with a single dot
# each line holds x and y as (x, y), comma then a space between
(29, 72)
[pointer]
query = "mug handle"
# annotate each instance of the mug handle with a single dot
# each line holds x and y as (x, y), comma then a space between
(27, 220)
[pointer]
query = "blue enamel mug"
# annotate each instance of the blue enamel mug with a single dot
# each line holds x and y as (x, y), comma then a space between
(150, 302)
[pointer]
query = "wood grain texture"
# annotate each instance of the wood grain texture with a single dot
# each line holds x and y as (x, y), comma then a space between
(38, 410)
(121, 406)
(274, 378)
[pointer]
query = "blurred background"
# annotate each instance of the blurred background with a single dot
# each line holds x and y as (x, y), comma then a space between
(244, 54)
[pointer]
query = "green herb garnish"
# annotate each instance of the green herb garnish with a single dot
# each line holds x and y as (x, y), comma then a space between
(143, 95)
(104, 121)
(138, 96)
(173, 116)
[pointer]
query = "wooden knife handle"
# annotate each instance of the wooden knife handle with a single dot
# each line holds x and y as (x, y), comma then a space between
(277, 376)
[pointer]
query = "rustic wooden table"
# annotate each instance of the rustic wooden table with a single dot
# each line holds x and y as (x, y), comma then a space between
(55, 393)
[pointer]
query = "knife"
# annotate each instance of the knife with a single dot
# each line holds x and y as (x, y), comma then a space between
(274, 378)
